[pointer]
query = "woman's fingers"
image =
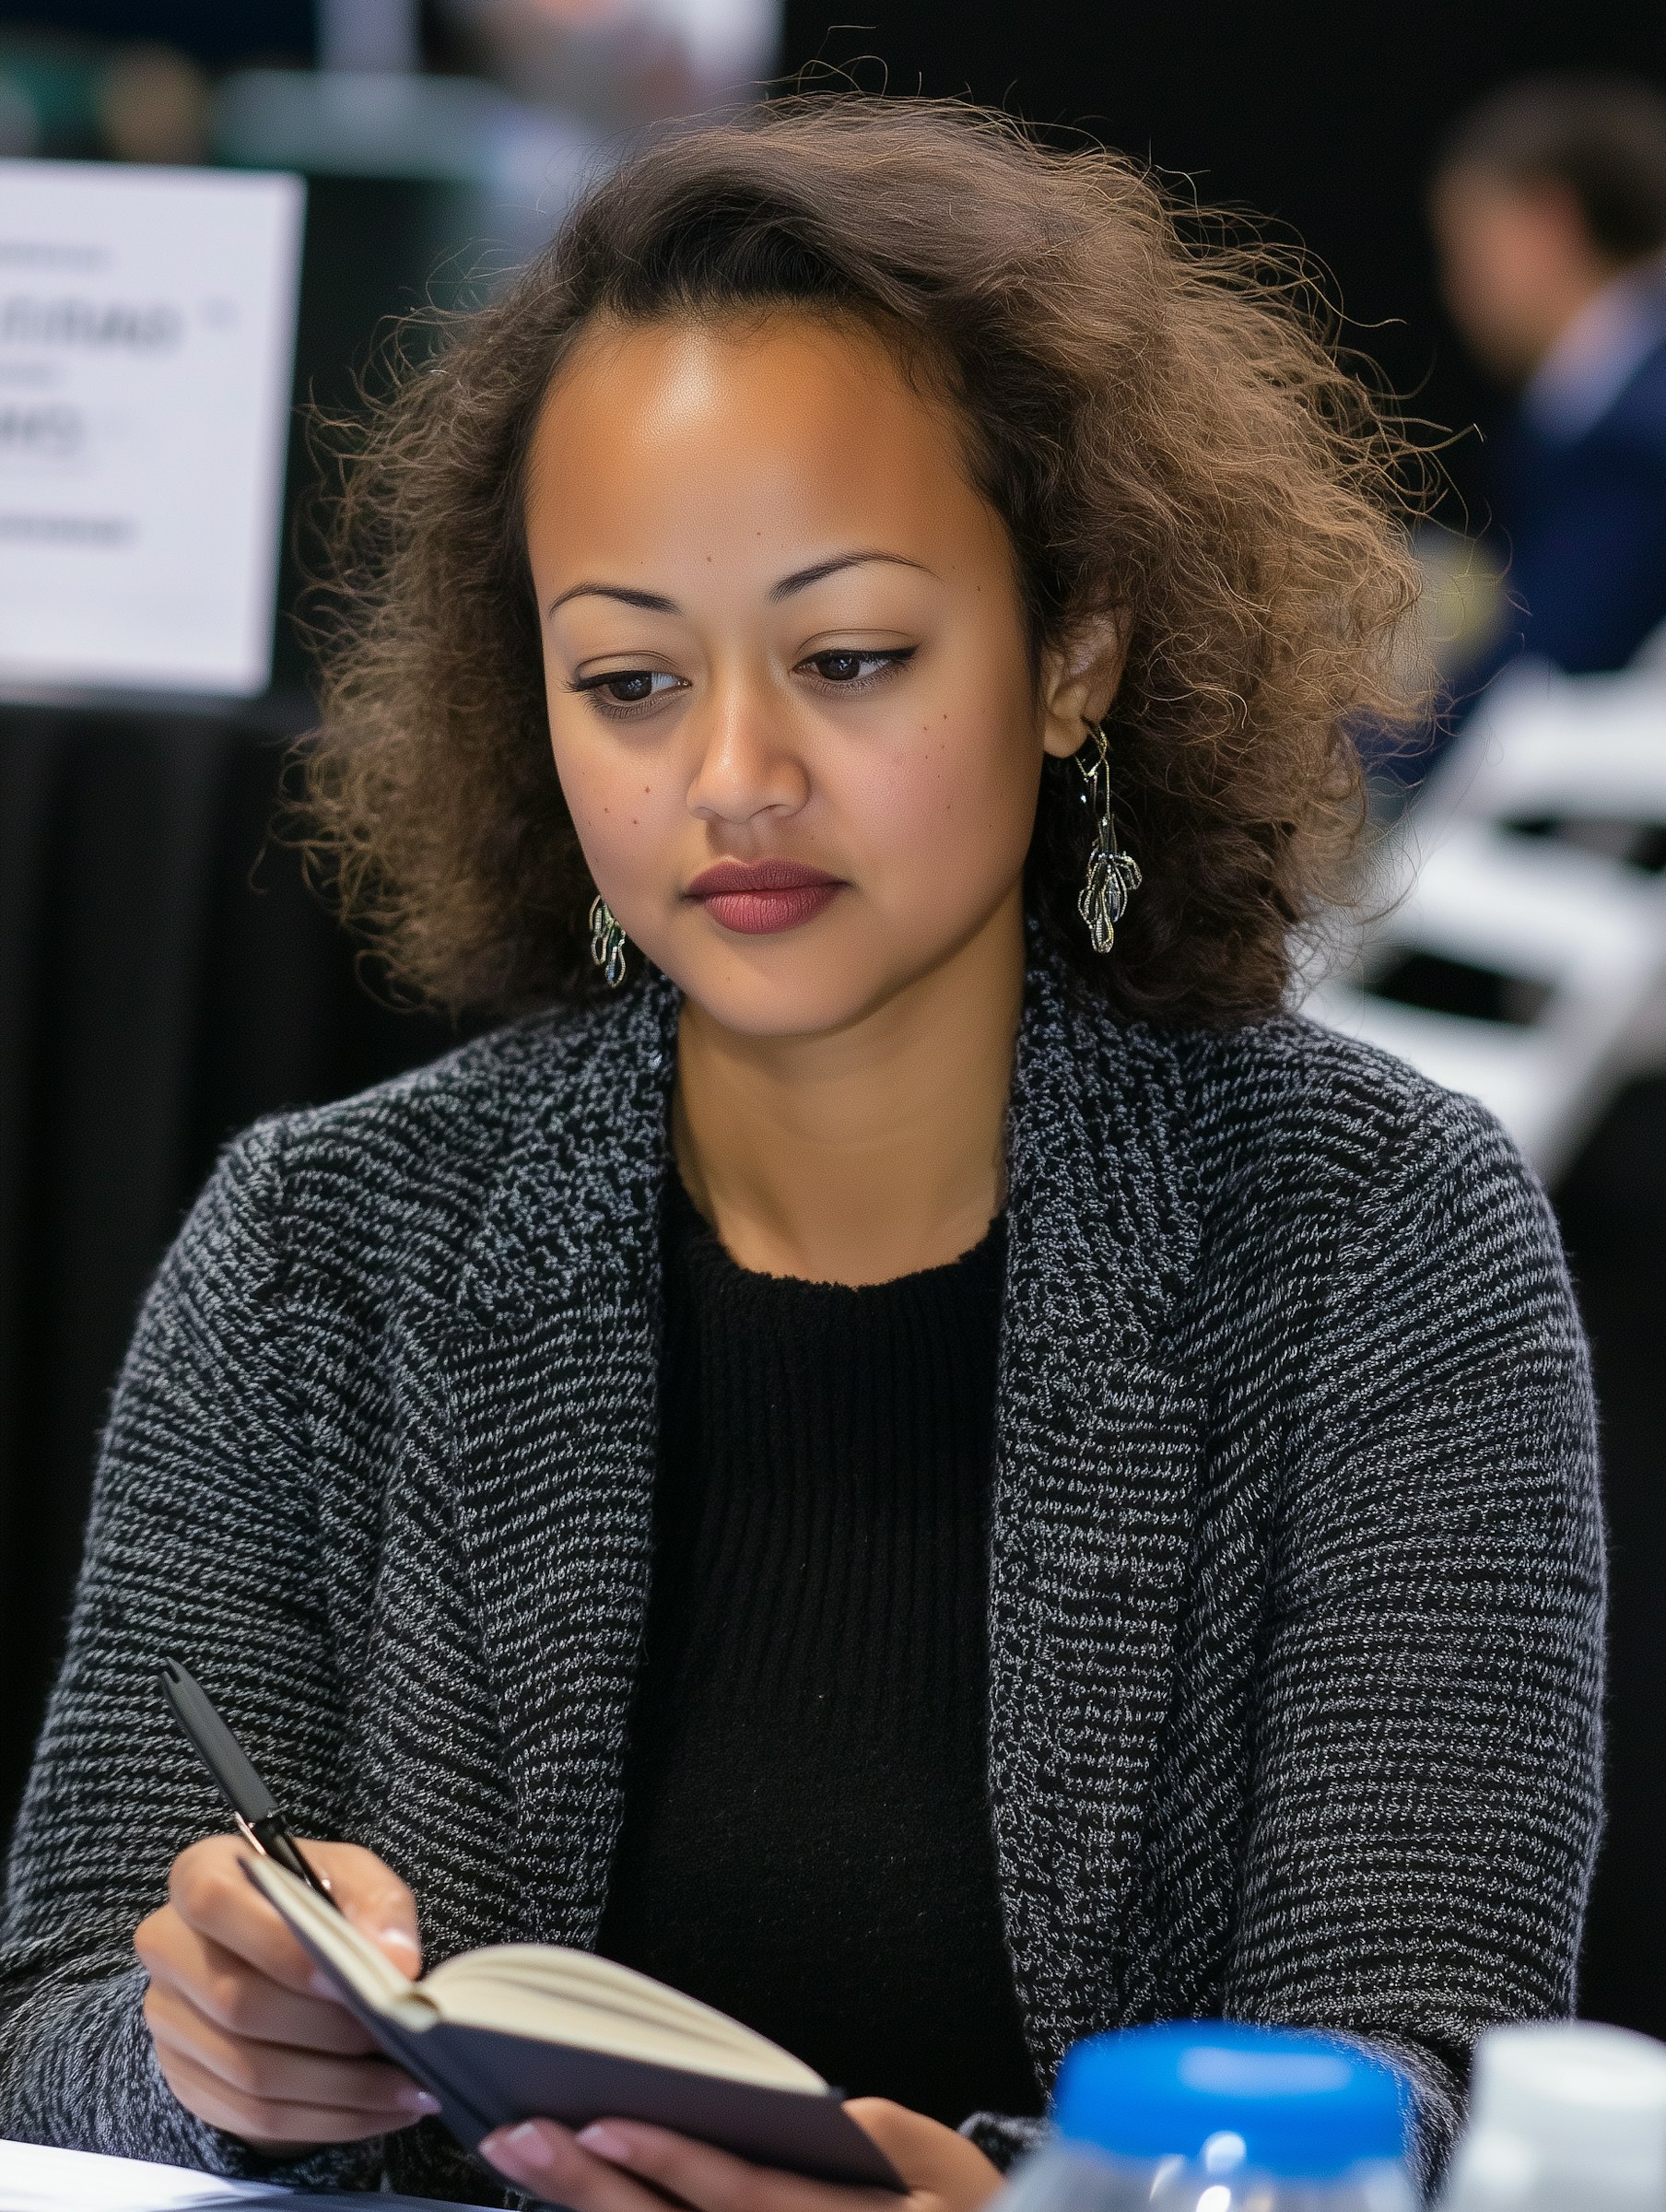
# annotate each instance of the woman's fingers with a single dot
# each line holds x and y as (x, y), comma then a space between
(626, 2165)
(604, 2168)
(933, 2159)
(239, 1998)
(547, 2159)
(211, 1896)
(374, 1898)
(715, 2181)
(378, 2095)
(248, 2034)
(210, 1891)
(289, 2071)
(268, 2123)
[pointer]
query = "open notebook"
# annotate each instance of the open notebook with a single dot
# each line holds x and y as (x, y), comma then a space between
(523, 2030)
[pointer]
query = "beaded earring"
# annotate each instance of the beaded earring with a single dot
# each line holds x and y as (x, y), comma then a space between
(1113, 875)
(606, 942)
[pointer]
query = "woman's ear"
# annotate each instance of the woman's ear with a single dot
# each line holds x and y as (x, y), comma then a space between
(1079, 680)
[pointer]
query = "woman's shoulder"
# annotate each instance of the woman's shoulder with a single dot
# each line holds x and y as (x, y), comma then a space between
(1307, 1122)
(1263, 1085)
(1338, 1201)
(1281, 1092)
(1297, 1126)
(398, 1182)
(467, 1103)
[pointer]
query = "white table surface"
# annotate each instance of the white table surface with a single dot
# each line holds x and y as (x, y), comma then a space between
(36, 2178)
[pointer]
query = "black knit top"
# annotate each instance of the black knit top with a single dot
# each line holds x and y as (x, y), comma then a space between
(806, 1837)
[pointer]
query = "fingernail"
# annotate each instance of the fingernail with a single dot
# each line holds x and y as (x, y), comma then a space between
(525, 2140)
(600, 2138)
(420, 2101)
(401, 1939)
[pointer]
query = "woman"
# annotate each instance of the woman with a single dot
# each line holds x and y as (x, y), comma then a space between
(915, 1458)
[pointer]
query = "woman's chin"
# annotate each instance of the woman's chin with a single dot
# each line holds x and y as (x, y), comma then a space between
(785, 1006)
(802, 982)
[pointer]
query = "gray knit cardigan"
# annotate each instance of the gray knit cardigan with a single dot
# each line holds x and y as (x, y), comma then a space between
(1296, 1583)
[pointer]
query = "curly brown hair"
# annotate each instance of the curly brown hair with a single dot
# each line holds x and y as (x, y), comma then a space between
(1155, 416)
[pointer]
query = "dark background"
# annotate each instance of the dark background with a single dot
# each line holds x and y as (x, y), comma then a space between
(165, 975)
(1324, 121)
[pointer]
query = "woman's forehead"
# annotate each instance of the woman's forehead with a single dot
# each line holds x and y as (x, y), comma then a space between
(754, 379)
(779, 431)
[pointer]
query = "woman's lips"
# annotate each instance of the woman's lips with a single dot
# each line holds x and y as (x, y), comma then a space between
(757, 899)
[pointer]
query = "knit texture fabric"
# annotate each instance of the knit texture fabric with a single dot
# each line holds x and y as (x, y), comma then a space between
(1294, 1603)
(806, 1839)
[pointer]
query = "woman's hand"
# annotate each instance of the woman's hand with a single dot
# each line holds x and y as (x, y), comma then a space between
(625, 2166)
(247, 2033)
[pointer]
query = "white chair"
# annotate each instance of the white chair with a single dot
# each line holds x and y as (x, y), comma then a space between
(1525, 960)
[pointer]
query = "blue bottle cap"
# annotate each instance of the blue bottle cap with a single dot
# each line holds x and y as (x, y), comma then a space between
(1229, 2096)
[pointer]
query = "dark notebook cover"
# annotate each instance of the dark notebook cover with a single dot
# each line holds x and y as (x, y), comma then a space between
(486, 2080)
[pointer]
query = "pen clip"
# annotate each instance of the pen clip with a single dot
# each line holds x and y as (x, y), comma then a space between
(272, 1840)
(246, 1830)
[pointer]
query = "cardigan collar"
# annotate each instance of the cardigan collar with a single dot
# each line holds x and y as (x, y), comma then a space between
(551, 1379)
(1096, 1152)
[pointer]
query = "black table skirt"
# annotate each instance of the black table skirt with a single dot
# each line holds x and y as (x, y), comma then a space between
(166, 976)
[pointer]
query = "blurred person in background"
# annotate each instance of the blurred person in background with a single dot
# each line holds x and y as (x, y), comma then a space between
(1548, 212)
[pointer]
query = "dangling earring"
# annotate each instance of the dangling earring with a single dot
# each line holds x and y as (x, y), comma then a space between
(1112, 876)
(606, 942)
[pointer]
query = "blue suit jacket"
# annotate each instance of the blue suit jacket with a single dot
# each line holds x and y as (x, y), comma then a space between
(1584, 523)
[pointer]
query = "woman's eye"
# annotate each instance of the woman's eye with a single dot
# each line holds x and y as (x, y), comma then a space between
(628, 687)
(845, 666)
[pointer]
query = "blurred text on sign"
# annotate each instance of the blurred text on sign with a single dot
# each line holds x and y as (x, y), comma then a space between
(147, 343)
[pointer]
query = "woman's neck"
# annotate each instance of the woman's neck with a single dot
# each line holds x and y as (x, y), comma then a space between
(869, 1152)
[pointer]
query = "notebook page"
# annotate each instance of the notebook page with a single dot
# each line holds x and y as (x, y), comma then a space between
(504, 2008)
(582, 1977)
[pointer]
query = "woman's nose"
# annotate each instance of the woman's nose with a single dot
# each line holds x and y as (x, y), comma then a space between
(748, 764)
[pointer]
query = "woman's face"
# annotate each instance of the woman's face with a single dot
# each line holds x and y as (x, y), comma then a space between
(790, 698)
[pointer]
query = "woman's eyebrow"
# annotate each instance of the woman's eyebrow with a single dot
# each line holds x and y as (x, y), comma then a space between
(801, 579)
(653, 603)
(656, 603)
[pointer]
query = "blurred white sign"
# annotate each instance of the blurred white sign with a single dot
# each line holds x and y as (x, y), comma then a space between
(146, 348)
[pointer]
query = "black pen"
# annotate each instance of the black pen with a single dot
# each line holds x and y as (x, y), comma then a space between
(254, 1807)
